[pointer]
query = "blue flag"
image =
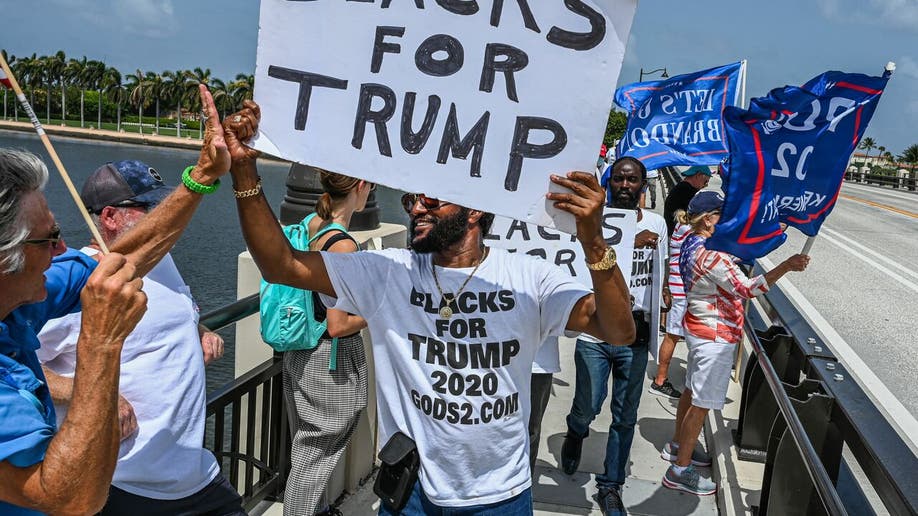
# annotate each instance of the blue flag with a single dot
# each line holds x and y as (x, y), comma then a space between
(678, 121)
(788, 154)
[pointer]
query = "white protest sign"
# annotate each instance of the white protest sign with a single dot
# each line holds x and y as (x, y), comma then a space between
(618, 228)
(472, 101)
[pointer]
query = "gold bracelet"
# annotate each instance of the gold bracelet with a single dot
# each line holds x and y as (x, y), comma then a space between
(252, 192)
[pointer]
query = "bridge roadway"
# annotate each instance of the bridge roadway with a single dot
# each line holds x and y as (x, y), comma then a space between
(858, 292)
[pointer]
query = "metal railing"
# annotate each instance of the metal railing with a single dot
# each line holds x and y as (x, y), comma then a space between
(901, 183)
(250, 435)
(800, 407)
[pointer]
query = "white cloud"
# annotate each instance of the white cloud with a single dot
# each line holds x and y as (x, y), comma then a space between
(899, 13)
(908, 67)
(150, 18)
(902, 14)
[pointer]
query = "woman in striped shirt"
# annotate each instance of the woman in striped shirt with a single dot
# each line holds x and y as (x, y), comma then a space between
(716, 289)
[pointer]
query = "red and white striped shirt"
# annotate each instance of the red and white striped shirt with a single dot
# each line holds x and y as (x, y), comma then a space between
(676, 287)
(715, 300)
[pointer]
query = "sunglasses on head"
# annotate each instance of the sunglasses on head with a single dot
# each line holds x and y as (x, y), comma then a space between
(429, 203)
(54, 238)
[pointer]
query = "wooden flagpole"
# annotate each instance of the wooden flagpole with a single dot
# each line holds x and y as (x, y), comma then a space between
(57, 161)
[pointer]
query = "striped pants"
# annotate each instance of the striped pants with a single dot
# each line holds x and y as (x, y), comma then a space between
(323, 408)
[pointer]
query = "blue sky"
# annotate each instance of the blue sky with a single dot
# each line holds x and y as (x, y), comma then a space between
(785, 41)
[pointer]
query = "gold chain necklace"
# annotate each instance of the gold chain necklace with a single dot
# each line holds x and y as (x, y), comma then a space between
(446, 311)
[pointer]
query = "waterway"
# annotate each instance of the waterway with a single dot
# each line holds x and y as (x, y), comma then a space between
(207, 251)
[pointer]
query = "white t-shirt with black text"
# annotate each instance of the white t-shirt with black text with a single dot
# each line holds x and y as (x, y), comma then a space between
(460, 386)
(646, 276)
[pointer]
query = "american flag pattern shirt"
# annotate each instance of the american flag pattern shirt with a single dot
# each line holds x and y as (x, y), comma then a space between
(715, 298)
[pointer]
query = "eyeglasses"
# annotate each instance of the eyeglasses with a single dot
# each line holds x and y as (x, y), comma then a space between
(429, 203)
(54, 238)
(372, 185)
(133, 204)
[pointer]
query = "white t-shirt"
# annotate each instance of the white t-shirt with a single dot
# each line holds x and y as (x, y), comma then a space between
(162, 376)
(548, 358)
(460, 386)
(646, 264)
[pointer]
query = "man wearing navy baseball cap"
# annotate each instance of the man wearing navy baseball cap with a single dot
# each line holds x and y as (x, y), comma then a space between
(128, 183)
(694, 179)
(162, 465)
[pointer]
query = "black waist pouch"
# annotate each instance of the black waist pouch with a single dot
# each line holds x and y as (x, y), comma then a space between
(398, 472)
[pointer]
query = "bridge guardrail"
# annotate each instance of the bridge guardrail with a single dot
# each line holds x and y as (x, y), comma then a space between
(896, 182)
(251, 438)
(799, 408)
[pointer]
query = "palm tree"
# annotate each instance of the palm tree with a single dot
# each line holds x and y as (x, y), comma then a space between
(880, 150)
(174, 89)
(95, 80)
(29, 72)
(57, 68)
(196, 77)
(243, 88)
(868, 144)
(910, 155)
(48, 65)
(77, 70)
(135, 86)
(221, 95)
(154, 85)
(111, 83)
(10, 60)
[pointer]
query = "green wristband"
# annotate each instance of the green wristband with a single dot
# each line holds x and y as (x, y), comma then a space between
(195, 186)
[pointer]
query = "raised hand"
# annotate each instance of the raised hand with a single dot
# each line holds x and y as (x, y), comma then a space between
(239, 128)
(646, 238)
(214, 160)
(584, 201)
(113, 302)
(797, 262)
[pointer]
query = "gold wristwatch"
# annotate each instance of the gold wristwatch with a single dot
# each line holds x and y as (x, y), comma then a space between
(607, 262)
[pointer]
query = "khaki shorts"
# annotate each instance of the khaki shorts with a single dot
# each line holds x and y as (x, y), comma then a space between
(707, 372)
(675, 315)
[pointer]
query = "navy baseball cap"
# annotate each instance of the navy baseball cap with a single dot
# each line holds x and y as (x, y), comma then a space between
(697, 170)
(705, 201)
(129, 182)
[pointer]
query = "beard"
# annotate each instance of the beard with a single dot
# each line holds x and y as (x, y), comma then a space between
(625, 199)
(445, 232)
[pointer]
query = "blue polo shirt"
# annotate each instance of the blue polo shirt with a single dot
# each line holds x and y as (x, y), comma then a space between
(26, 409)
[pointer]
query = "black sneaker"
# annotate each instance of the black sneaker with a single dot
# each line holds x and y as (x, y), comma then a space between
(610, 502)
(666, 390)
(570, 453)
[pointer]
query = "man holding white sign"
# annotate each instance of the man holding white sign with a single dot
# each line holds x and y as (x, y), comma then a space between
(456, 328)
(476, 102)
(595, 361)
(563, 250)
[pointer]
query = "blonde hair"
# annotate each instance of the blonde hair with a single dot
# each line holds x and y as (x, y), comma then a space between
(336, 187)
(695, 220)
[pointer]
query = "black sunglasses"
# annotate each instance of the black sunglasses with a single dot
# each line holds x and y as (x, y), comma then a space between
(54, 238)
(429, 203)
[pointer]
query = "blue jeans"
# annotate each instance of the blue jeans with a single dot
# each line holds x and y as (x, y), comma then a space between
(594, 362)
(420, 505)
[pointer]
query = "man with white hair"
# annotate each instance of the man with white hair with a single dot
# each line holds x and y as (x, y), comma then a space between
(162, 467)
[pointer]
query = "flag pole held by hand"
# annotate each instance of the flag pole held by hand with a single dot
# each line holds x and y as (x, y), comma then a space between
(808, 245)
(10, 81)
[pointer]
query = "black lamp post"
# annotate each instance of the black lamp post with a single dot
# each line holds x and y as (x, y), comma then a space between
(303, 191)
(643, 73)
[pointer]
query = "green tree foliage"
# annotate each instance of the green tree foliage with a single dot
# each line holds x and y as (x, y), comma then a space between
(615, 127)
